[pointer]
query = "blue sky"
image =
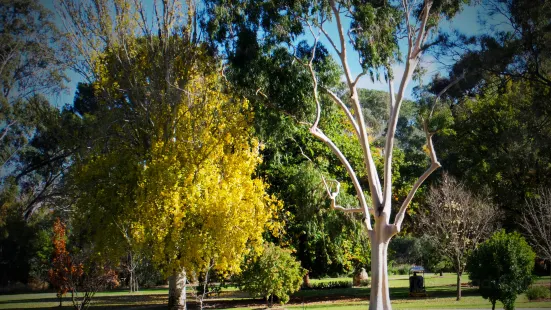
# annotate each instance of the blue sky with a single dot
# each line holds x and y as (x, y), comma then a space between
(65, 97)
(466, 22)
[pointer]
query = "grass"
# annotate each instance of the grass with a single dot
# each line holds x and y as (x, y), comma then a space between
(114, 299)
(441, 296)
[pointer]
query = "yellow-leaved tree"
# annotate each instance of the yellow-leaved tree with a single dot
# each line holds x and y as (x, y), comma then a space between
(186, 198)
(198, 205)
(172, 174)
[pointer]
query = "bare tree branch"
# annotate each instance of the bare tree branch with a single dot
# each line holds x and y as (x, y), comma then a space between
(536, 222)
(411, 63)
(434, 165)
(459, 219)
(363, 203)
(373, 178)
(333, 196)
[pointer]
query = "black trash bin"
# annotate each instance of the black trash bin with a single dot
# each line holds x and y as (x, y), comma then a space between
(417, 282)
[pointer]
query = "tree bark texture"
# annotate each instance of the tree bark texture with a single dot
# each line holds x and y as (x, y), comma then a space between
(379, 298)
(458, 286)
(177, 291)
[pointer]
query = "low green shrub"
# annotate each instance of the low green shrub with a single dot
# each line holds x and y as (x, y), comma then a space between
(365, 283)
(503, 266)
(274, 274)
(328, 285)
(537, 292)
(403, 269)
(399, 270)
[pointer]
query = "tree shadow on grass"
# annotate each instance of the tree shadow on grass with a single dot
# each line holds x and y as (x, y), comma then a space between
(235, 299)
(142, 301)
(433, 292)
(348, 294)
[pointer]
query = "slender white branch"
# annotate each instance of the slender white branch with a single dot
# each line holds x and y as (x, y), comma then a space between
(357, 79)
(342, 40)
(345, 109)
(302, 152)
(387, 177)
(333, 196)
(363, 203)
(391, 133)
(7, 129)
(407, 11)
(320, 135)
(314, 79)
(434, 160)
(443, 91)
(433, 166)
(421, 36)
(373, 178)
(328, 37)
(342, 54)
(411, 64)
(345, 210)
(391, 93)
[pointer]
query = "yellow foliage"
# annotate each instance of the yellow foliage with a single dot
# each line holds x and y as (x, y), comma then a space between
(198, 200)
(194, 199)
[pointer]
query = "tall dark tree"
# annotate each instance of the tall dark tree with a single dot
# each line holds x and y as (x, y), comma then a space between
(33, 59)
(501, 141)
(518, 48)
(501, 106)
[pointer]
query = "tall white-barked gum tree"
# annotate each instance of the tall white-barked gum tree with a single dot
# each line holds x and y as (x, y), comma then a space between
(419, 19)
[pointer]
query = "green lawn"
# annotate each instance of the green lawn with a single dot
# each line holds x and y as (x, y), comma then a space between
(441, 296)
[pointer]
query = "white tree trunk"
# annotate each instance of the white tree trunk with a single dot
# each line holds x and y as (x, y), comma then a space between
(177, 291)
(379, 298)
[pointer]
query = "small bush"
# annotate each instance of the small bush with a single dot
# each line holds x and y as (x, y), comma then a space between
(328, 285)
(537, 292)
(276, 273)
(403, 269)
(503, 267)
(37, 284)
(400, 270)
(365, 283)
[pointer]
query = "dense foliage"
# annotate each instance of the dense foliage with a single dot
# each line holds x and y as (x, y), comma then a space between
(184, 192)
(501, 104)
(275, 273)
(501, 141)
(536, 292)
(502, 266)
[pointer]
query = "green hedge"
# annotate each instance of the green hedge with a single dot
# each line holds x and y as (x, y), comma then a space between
(328, 285)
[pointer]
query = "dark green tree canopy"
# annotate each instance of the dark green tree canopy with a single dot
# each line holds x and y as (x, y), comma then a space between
(518, 48)
(33, 51)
